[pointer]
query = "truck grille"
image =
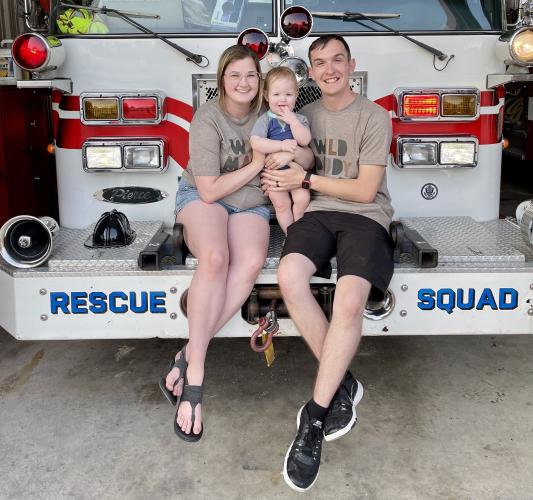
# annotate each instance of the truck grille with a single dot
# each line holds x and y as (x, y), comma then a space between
(204, 88)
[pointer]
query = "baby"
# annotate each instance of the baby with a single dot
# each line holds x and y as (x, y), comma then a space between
(280, 129)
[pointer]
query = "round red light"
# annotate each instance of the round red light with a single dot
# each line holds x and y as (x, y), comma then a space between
(30, 51)
(296, 22)
(255, 40)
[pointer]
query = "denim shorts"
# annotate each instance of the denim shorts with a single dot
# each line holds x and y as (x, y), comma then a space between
(187, 193)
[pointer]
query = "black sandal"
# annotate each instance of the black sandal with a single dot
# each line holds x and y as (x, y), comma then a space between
(181, 364)
(193, 395)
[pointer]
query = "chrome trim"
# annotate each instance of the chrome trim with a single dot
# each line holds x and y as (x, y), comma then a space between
(380, 310)
(120, 94)
(397, 162)
(401, 91)
(115, 141)
(496, 80)
(62, 84)
(197, 80)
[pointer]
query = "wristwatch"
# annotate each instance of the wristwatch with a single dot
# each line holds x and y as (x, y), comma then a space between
(306, 183)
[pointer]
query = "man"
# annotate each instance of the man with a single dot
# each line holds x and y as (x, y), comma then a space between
(348, 218)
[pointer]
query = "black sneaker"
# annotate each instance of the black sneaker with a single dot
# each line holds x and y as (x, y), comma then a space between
(302, 461)
(342, 416)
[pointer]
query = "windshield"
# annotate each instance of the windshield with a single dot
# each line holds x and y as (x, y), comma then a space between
(416, 15)
(165, 16)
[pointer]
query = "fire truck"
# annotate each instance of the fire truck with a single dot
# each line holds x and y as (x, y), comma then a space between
(125, 78)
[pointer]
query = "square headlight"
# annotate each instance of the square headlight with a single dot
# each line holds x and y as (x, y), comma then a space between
(102, 157)
(457, 153)
(142, 156)
(419, 153)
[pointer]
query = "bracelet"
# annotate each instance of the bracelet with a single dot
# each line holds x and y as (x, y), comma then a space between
(306, 183)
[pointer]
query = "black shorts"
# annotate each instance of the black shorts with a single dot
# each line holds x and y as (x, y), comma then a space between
(361, 245)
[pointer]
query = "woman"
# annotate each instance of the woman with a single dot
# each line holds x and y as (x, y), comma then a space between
(225, 220)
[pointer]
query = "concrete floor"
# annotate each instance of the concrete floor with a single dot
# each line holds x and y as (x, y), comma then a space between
(442, 418)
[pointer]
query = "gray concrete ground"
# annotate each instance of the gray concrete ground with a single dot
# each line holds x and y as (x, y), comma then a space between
(442, 418)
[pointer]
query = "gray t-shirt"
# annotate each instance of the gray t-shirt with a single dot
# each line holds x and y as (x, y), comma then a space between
(220, 144)
(359, 134)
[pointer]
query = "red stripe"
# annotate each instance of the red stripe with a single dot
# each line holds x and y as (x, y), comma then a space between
(488, 98)
(72, 134)
(388, 102)
(179, 108)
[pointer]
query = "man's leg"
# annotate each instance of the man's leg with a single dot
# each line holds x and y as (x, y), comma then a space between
(342, 338)
(294, 272)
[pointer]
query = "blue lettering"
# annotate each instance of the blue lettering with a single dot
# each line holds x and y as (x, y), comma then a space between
(470, 301)
(113, 307)
(98, 302)
(512, 294)
(59, 300)
(138, 308)
(426, 299)
(79, 302)
(448, 305)
(157, 302)
(486, 299)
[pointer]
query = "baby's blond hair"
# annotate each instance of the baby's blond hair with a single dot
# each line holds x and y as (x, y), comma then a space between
(279, 73)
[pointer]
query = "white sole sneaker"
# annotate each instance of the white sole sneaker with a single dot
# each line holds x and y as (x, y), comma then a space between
(286, 477)
(353, 420)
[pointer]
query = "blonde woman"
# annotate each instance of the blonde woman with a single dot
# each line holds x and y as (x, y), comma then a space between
(226, 224)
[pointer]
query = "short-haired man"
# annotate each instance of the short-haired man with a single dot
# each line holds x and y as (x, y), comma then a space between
(348, 218)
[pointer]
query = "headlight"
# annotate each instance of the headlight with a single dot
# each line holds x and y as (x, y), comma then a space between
(457, 153)
(102, 157)
(108, 154)
(521, 46)
(142, 156)
(419, 153)
(436, 152)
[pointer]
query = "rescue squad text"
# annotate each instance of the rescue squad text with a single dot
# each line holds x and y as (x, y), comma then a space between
(101, 302)
(447, 299)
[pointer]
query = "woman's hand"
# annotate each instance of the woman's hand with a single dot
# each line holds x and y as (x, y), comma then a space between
(283, 180)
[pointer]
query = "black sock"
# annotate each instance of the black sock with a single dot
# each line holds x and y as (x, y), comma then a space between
(316, 411)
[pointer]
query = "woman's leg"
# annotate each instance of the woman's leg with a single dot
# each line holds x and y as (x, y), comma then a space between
(248, 245)
(282, 204)
(208, 241)
(247, 238)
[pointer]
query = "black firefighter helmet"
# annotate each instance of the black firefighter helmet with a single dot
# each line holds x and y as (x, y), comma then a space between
(111, 231)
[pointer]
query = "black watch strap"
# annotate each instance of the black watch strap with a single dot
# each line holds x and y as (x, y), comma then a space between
(306, 183)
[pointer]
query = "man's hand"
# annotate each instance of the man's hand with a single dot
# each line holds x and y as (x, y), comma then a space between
(289, 145)
(283, 180)
(276, 160)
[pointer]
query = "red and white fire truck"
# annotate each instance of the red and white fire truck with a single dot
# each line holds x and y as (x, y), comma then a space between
(125, 77)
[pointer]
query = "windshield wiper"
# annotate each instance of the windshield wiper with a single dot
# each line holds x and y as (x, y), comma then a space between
(358, 16)
(195, 58)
